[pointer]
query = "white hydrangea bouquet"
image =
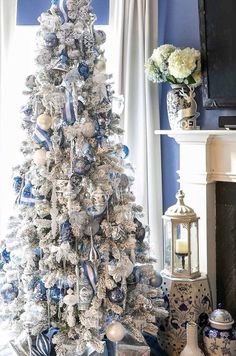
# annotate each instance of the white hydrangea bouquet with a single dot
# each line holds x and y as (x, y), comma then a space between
(174, 65)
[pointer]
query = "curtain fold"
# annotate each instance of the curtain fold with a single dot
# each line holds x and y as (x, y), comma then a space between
(135, 33)
(7, 83)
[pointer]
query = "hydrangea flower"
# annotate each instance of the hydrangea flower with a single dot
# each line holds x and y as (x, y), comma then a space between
(175, 65)
(183, 62)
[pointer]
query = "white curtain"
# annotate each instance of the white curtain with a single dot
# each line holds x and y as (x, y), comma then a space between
(134, 27)
(7, 118)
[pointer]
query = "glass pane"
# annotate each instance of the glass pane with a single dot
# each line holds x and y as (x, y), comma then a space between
(194, 248)
(167, 244)
(181, 248)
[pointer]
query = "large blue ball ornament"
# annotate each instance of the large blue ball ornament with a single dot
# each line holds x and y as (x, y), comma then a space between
(9, 292)
(83, 70)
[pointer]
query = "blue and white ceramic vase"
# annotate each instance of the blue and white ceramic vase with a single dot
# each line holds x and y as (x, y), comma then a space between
(182, 107)
(220, 337)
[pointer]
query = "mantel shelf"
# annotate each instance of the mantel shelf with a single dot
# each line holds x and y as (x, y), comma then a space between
(173, 133)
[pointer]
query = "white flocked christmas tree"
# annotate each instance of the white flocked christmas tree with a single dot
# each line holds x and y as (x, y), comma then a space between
(75, 265)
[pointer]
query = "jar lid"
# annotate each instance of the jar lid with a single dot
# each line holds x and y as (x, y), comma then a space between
(221, 319)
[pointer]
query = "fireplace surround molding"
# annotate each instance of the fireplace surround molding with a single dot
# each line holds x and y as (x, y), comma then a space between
(206, 157)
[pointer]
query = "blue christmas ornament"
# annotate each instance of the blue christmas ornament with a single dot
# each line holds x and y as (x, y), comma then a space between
(39, 290)
(125, 151)
(38, 252)
(64, 58)
(43, 345)
(50, 39)
(6, 256)
(9, 292)
(66, 231)
(83, 70)
(17, 183)
(56, 294)
(81, 165)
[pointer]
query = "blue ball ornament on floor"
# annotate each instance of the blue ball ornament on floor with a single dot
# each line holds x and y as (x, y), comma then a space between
(83, 70)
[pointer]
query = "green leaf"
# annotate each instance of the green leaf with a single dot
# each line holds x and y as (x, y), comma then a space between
(171, 79)
(190, 80)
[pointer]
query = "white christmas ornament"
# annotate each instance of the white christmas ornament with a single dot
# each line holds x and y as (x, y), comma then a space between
(44, 121)
(115, 331)
(88, 128)
(40, 157)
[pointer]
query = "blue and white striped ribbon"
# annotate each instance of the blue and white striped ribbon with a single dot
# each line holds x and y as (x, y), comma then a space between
(27, 198)
(68, 111)
(42, 137)
(63, 10)
(91, 273)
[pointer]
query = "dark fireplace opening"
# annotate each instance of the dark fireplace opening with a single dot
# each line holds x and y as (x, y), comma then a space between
(226, 245)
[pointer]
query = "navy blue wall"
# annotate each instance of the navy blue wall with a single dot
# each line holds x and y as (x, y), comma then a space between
(29, 10)
(179, 25)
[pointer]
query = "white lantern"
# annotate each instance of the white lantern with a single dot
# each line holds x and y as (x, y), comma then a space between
(181, 251)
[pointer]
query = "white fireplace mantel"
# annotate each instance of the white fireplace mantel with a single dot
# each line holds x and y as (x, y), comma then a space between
(206, 156)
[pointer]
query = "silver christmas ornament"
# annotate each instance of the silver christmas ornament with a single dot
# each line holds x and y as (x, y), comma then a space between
(116, 295)
(85, 292)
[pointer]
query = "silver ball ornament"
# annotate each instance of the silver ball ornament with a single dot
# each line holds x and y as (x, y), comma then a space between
(44, 121)
(116, 295)
(156, 281)
(115, 331)
(88, 128)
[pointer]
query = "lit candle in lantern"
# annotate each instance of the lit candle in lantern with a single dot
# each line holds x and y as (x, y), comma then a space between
(181, 247)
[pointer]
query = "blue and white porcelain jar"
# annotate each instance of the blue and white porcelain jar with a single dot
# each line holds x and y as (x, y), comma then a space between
(220, 337)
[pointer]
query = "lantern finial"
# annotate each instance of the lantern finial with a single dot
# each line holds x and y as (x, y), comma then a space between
(180, 209)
